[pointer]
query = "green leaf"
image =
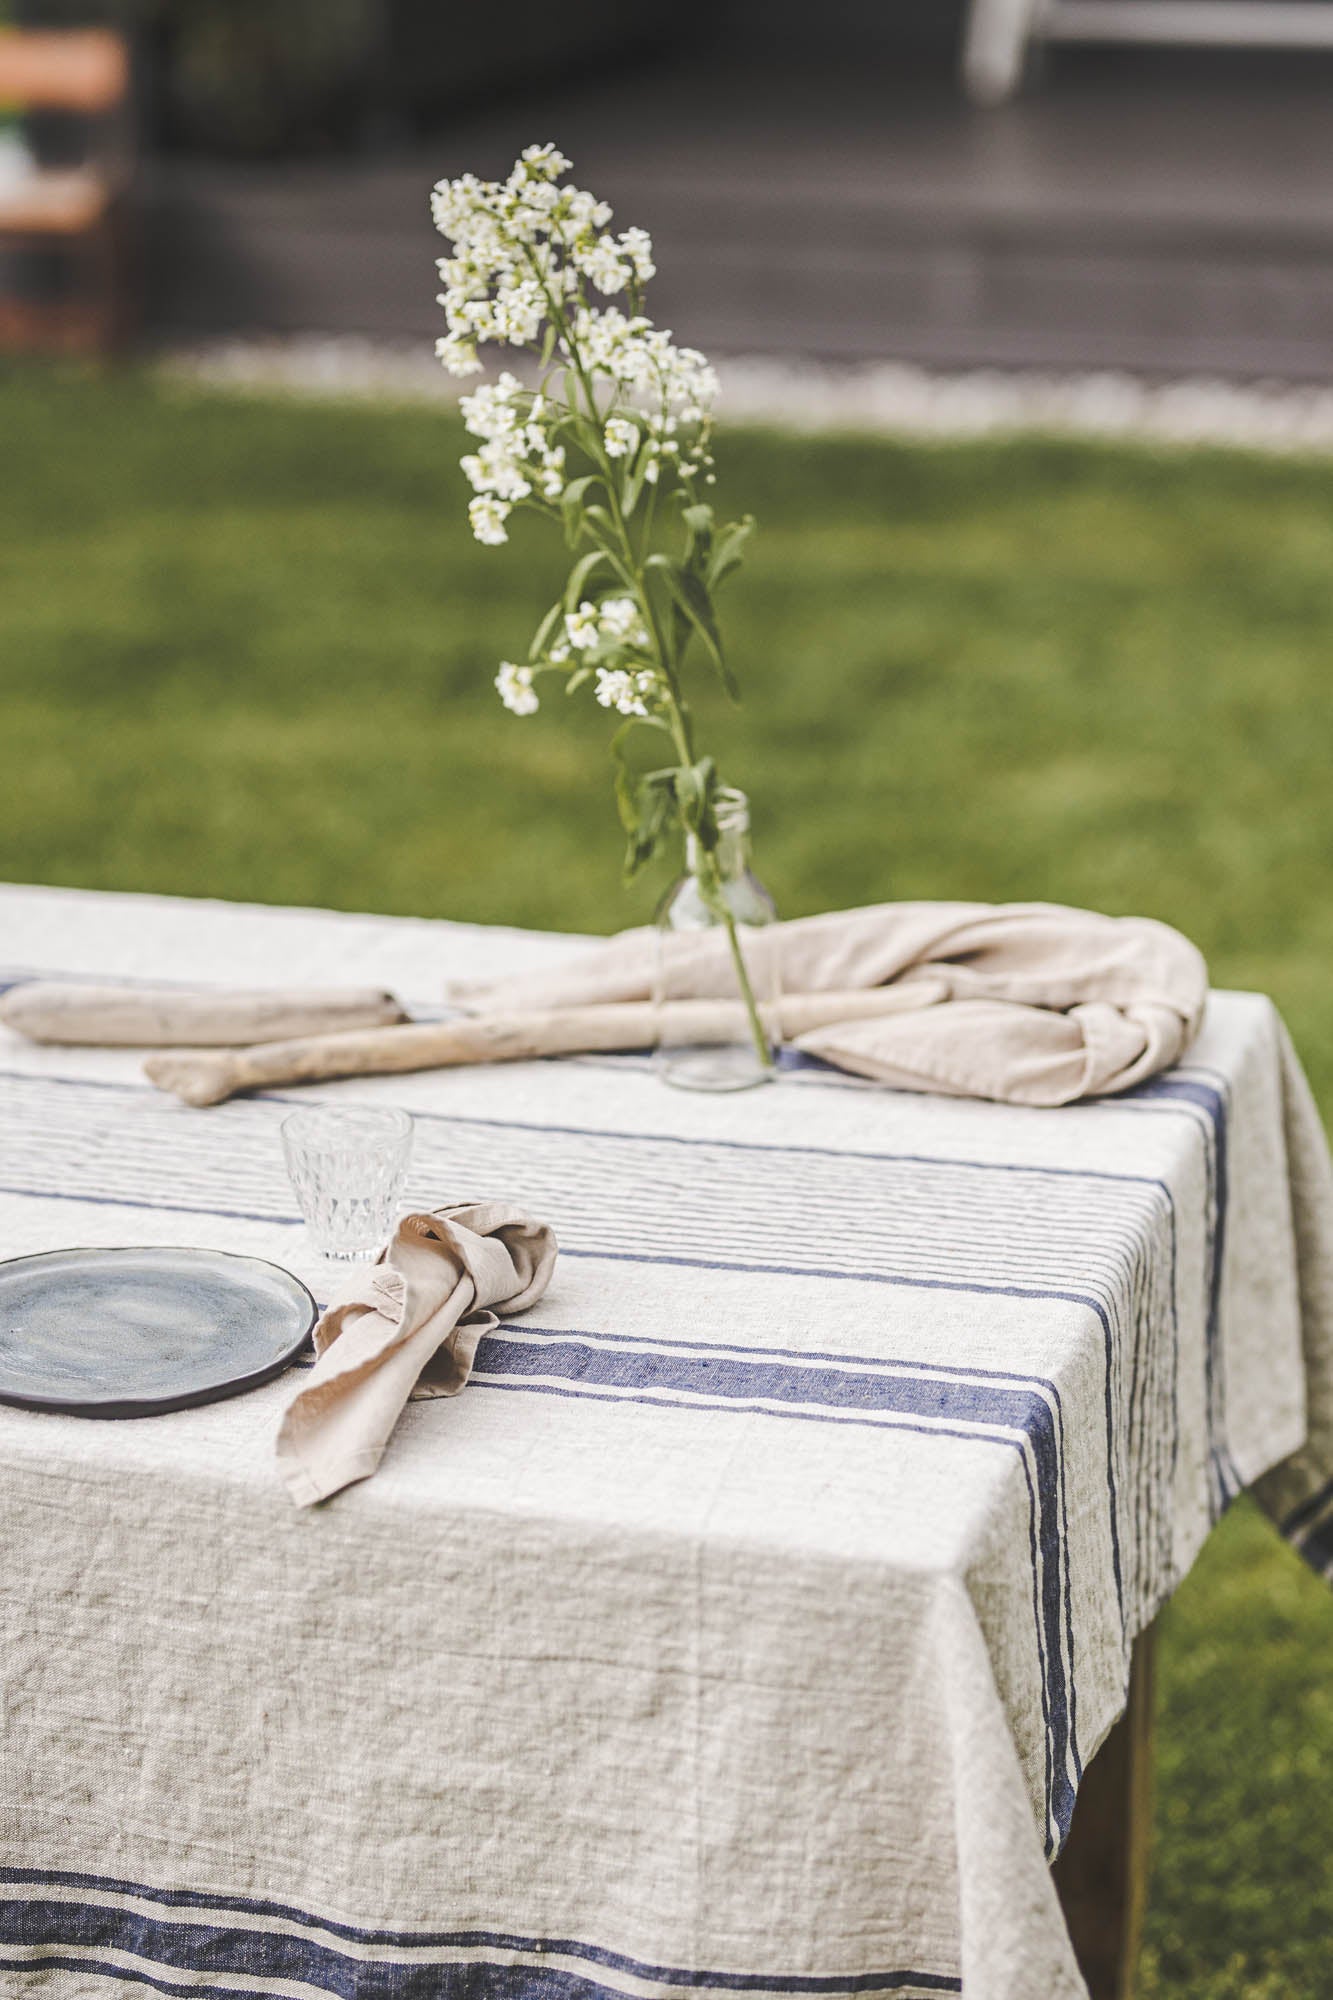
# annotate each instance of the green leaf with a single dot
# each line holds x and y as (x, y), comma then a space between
(542, 636)
(548, 344)
(633, 485)
(579, 575)
(646, 838)
(571, 499)
(695, 788)
(655, 805)
(729, 551)
(577, 678)
(572, 505)
(692, 597)
(646, 802)
(627, 804)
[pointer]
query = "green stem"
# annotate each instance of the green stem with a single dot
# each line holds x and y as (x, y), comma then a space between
(710, 886)
(763, 1046)
(710, 883)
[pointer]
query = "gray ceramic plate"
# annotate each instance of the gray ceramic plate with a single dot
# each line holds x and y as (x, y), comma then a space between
(131, 1333)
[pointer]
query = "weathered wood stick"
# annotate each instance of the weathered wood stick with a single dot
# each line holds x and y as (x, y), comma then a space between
(50, 1010)
(204, 1078)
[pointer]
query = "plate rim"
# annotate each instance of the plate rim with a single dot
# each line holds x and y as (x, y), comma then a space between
(153, 1406)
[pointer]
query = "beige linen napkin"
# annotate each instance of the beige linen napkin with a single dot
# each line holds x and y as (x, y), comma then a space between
(1029, 1003)
(411, 1323)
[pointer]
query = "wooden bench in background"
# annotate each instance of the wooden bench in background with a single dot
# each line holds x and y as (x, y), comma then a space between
(79, 215)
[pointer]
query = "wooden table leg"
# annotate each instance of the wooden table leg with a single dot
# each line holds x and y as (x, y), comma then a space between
(1102, 1874)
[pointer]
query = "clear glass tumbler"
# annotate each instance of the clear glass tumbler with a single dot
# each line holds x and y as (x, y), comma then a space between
(346, 1163)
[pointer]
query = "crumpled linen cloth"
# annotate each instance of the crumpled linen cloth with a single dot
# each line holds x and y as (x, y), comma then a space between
(410, 1324)
(1027, 1003)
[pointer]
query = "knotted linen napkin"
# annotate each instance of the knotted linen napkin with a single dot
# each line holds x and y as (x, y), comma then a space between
(409, 1324)
(1027, 1003)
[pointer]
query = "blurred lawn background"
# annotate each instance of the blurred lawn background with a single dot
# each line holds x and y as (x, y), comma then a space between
(246, 650)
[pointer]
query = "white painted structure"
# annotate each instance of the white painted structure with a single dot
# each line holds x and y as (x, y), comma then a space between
(999, 33)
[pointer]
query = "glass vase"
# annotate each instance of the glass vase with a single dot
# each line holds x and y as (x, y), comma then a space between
(717, 974)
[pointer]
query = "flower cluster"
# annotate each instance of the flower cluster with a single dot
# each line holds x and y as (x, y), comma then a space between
(619, 419)
(514, 685)
(642, 358)
(528, 253)
(522, 246)
(628, 692)
(518, 455)
(612, 631)
(615, 622)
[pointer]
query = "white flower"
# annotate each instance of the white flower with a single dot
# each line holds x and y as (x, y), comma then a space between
(629, 692)
(520, 248)
(558, 654)
(580, 214)
(488, 517)
(637, 246)
(545, 162)
(459, 356)
(515, 688)
(516, 315)
(618, 689)
(581, 627)
(603, 263)
(622, 437)
(619, 619)
(494, 470)
(489, 411)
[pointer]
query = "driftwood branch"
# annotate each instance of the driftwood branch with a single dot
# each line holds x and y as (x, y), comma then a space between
(168, 1017)
(200, 1077)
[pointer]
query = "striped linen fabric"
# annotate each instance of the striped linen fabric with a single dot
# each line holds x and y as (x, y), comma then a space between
(747, 1624)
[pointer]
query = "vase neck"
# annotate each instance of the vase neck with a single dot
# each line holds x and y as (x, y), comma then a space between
(732, 853)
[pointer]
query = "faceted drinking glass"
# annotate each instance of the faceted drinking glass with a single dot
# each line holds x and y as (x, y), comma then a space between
(346, 1163)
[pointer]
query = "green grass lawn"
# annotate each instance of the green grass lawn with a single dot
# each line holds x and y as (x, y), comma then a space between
(246, 650)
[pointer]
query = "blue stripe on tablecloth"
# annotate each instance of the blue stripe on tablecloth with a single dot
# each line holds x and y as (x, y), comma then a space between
(631, 1137)
(1213, 1100)
(189, 1989)
(189, 1942)
(155, 1207)
(475, 1979)
(478, 1980)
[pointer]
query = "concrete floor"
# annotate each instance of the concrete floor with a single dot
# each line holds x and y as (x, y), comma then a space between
(1153, 211)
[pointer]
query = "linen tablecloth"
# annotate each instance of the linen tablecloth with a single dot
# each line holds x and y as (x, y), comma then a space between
(746, 1625)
